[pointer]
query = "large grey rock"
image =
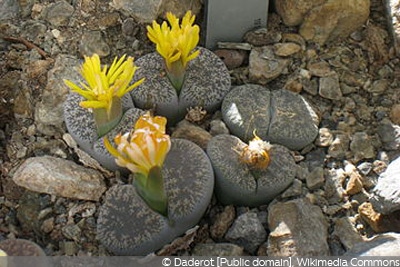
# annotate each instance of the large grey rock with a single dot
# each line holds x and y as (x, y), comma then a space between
(247, 231)
(278, 116)
(298, 228)
(386, 194)
(60, 177)
(345, 16)
(387, 244)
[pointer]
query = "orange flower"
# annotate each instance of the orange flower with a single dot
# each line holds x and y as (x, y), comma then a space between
(144, 148)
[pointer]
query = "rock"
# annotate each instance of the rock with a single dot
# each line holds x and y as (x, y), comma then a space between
(344, 229)
(21, 247)
(386, 194)
(389, 134)
(58, 13)
(354, 185)
(47, 225)
(222, 222)
(146, 12)
(339, 146)
(232, 58)
(345, 16)
(9, 9)
(264, 65)
(179, 8)
(320, 68)
(380, 223)
(298, 228)
(93, 42)
(129, 28)
(375, 44)
(378, 87)
(294, 38)
(293, 11)
(292, 84)
(217, 127)
(329, 87)
(23, 107)
(30, 205)
(324, 138)
(334, 191)
(310, 86)
(26, 8)
(395, 114)
(365, 168)
(38, 68)
(379, 245)
(361, 146)
(316, 178)
(60, 177)
(36, 32)
(143, 12)
(49, 111)
(194, 133)
(219, 249)
(247, 232)
(392, 14)
(286, 49)
(379, 166)
(294, 190)
(262, 36)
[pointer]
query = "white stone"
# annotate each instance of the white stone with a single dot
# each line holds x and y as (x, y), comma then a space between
(60, 177)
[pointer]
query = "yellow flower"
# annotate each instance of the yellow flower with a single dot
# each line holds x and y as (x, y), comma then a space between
(104, 84)
(175, 42)
(144, 148)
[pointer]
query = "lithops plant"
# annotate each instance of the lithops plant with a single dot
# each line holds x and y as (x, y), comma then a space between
(172, 186)
(179, 75)
(278, 116)
(101, 105)
(249, 175)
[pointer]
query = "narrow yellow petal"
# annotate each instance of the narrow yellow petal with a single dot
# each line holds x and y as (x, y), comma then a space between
(110, 148)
